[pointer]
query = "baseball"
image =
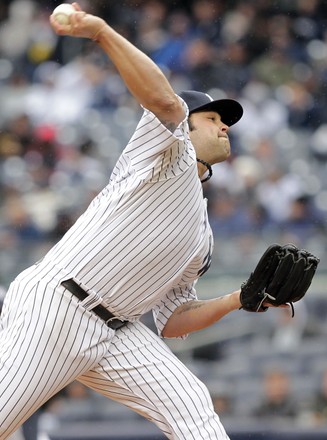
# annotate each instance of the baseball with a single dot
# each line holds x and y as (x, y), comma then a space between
(62, 13)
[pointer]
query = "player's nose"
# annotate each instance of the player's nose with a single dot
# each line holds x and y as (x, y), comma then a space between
(223, 128)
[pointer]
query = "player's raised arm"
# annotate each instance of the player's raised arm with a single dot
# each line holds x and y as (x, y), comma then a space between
(142, 76)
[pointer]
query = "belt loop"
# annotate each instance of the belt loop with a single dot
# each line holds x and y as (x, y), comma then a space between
(91, 301)
(97, 308)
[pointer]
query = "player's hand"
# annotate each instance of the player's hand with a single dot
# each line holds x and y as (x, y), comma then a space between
(266, 304)
(282, 306)
(81, 24)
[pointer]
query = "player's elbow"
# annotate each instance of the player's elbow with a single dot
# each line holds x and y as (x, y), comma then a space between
(173, 329)
(166, 333)
(169, 331)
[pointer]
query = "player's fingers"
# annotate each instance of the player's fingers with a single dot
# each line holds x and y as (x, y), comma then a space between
(76, 22)
(76, 6)
(282, 306)
(77, 17)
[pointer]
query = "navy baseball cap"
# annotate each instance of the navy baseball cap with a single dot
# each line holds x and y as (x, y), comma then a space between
(230, 110)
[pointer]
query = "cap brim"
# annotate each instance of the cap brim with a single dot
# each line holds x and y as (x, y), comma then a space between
(229, 110)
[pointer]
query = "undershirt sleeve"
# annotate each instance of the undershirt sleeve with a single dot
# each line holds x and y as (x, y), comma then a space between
(174, 298)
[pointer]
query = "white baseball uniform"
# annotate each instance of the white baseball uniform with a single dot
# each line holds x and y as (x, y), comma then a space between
(141, 245)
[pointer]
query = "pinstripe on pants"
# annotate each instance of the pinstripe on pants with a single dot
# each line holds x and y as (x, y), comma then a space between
(132, 366)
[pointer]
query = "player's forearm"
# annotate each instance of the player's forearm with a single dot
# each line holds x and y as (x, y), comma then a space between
(143, 78)
(196, 315)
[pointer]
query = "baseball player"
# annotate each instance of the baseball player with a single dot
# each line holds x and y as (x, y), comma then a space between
(141, 245)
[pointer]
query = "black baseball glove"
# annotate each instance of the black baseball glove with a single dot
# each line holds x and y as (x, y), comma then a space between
(282, 276)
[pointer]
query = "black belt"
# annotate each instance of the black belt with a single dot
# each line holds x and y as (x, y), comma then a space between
(111, 320)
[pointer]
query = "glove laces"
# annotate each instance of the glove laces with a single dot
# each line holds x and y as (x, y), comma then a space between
(272, 298)
(292, 308)
(265, 296)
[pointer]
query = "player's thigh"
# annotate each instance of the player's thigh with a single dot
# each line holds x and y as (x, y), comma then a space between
(45, 342)
(141, 372)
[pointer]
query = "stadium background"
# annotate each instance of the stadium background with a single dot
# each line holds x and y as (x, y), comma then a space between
(65, 116)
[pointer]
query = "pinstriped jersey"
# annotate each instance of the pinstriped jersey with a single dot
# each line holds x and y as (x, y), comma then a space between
(145, 238)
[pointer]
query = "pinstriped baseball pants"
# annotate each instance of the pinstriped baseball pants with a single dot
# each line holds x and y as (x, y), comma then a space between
(47, 340)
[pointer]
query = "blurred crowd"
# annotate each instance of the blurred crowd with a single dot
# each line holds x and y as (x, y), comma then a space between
(65, 116)
(275, 403)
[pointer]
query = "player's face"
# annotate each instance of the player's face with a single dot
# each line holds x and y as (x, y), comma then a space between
(209, 136)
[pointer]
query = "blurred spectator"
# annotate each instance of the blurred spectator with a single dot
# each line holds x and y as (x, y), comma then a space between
(207, 20)
(318, 406)
(222, 404)
(171, 53)
(229, 218)
(278, 400)
(303, 109)
(152, 32)
(21, 128)
(289, 330)
(17, 224)
(277, 192)
(64, 220)
(303, 221)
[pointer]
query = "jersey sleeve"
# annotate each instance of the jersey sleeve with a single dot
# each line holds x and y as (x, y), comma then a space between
(154, 148)
(174, 298)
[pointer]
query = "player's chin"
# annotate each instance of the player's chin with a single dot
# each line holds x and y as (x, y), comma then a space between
(227, 151)
(226, 147)
(223, 152)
